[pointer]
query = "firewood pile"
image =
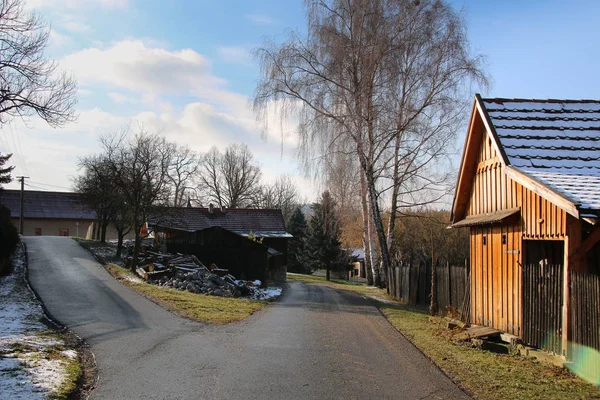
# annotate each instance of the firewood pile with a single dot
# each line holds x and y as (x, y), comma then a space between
(186, 272)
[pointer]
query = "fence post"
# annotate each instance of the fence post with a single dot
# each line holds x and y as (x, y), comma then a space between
(449, 272)
(397, 281)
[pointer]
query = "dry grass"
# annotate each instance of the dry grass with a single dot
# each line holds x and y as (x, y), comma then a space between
(202, 308)
(484, 374)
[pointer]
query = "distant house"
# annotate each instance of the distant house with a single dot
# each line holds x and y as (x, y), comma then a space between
(250, 243)
(529, 190)
(357, 257)
(48, 213)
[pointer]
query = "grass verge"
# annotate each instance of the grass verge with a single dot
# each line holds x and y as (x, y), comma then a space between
(202, 308)
(483, 374)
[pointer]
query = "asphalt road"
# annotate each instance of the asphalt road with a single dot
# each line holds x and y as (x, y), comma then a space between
(314, 343)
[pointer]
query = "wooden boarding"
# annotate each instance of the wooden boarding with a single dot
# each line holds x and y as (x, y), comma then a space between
(477, 332)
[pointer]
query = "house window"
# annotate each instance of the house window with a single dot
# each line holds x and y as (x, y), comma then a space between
(38, 231)
(63, 232)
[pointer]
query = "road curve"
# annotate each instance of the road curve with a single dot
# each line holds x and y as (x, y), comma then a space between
(314, 343)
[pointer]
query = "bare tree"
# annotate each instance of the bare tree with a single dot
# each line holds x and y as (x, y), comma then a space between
(98, 189)
(212, 184)
(184, 167)
(140, 166)
(281, 194)
(29, 82)
(231, 179)
(372, 73)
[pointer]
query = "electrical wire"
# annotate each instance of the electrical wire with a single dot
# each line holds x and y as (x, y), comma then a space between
(49, 185)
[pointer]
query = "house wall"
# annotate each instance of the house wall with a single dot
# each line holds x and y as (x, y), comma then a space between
(497, 252)
(52, 227)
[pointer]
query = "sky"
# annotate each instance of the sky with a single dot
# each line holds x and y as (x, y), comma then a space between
(185, 69)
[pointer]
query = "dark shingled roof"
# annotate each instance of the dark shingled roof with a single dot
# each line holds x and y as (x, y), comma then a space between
(262, 222)
(46, 205)
(555, 141)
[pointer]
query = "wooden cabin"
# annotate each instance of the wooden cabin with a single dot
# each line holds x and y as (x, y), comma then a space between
(529, 190)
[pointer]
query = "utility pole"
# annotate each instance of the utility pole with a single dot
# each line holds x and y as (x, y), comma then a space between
(22, 180)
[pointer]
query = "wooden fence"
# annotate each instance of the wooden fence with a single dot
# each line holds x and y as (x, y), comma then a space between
(542, 299)
(411, 283)
(585, 309)
(584, 332)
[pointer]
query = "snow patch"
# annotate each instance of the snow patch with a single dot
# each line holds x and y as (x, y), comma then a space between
(132, 279)
(270, 293)
(382, 300)
(25, 372)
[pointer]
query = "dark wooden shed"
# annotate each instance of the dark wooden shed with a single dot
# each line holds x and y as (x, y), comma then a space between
(250, 243)
(529, 190)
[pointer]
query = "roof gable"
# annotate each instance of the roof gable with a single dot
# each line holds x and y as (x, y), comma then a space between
(46, 205)
(479, 127)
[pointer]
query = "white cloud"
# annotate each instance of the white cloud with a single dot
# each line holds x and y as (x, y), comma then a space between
(237, 55)
(134, 71)
(261, 19)
(120, 98)
(131, 64)
(76, 26)
(58, 40)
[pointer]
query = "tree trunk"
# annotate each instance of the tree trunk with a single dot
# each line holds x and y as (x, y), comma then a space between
(433, 299)
(120, 237)
(394, 200)
(105, 223)
(328, 277)
(366, 230)
(136, 246)
(385, 255)
(433, 304)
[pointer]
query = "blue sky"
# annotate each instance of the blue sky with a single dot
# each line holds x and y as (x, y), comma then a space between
(185, 69)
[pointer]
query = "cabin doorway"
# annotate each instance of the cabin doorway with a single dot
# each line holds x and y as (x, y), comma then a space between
(542, 294)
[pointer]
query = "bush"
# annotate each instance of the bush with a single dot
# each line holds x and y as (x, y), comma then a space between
(9, 239)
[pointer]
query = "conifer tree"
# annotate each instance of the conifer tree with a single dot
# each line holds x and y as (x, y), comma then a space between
(323, 245)
(298, 228)
(5, 176)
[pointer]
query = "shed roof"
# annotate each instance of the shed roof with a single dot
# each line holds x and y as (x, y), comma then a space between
(487, 219)
(557, 142)
(238, 220)
(46, 205)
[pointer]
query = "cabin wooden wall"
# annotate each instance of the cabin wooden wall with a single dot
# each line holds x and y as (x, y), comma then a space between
(493, 191)
(496, 277)
(496, 265)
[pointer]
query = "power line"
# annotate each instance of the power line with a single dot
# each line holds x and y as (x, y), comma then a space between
(21, 153)
(49, 185)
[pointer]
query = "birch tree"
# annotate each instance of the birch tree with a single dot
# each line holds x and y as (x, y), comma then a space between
(384, 75)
